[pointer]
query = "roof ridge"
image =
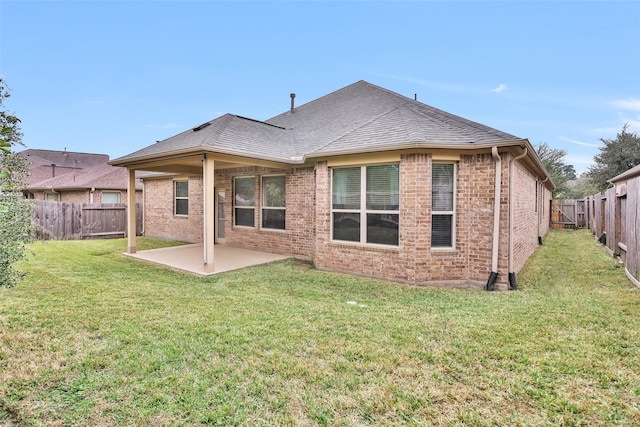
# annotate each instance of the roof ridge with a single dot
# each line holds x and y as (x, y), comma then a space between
(319, 99)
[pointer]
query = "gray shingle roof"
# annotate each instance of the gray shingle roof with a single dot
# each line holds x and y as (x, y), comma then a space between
(101, 176)
(67, 159)
(229, 134)
(358, 118)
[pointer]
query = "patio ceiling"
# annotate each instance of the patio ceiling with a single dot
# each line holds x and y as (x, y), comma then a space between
(191, 163)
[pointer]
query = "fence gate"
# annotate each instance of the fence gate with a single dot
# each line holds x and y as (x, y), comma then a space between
(567, 214)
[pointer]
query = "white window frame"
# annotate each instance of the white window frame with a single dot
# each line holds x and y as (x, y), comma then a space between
(176, 197)
(453, 212)
(117, 193)
(252, 207)
(48, 194)
(363, 211)
(264, 207)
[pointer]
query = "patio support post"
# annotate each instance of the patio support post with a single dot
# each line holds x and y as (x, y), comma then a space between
(131, 212)
(208, 178)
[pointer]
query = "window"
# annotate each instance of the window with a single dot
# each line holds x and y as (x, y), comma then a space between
(365, 204)
(110, 197)
(52, 197)
(244, 201)
(442, 205)
(273, 202)
(181, 196)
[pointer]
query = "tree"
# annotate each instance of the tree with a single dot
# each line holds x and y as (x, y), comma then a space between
(616, 156)
(561, 173)
(15, 211)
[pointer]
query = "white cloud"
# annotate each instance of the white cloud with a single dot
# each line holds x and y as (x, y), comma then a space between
(500, 88)
(575, 141)
(627, 104)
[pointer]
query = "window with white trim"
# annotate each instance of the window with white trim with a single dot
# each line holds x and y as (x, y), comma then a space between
(273, 202)
(365, 204)
(52, 197)
(180, 197)
(110, 197)
(443, 179)
(244, 201)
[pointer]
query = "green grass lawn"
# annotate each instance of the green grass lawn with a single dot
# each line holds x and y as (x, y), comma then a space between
(93, 338)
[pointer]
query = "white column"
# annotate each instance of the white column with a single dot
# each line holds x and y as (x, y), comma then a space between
(208, 178)
(131, 210)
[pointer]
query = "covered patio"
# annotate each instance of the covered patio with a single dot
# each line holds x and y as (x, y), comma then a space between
(189, 258)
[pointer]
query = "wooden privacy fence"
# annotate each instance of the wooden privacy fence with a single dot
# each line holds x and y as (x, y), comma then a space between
(614, 218)
(76, 221)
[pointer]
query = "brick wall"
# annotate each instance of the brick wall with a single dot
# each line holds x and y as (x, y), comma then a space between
(296, 239)
(81, 196)
(308, 221)
(527, 211)
(468, 264)
(158, 206)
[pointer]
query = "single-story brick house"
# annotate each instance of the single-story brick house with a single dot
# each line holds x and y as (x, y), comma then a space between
(362, 180)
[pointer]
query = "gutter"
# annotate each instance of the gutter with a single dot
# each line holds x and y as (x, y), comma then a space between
(496, 220)
(512, 275)
(196, 152)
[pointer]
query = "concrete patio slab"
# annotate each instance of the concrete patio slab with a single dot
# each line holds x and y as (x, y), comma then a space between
(190, 258)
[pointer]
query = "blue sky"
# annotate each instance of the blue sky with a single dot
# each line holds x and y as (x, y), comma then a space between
(115, 76)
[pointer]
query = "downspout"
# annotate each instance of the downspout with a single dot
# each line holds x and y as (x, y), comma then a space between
(541, 197)
(93, 190)
(512, 275)
(496, 220)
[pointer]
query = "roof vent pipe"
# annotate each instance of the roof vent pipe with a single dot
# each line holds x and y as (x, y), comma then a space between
(293, 96)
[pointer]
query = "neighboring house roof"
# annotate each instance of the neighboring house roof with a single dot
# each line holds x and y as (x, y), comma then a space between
(42, 172)
(44, 164)
(102, 176)
(634, 171)
(67, 159)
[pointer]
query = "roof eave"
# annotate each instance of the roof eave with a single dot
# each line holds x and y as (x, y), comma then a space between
(197, 151)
